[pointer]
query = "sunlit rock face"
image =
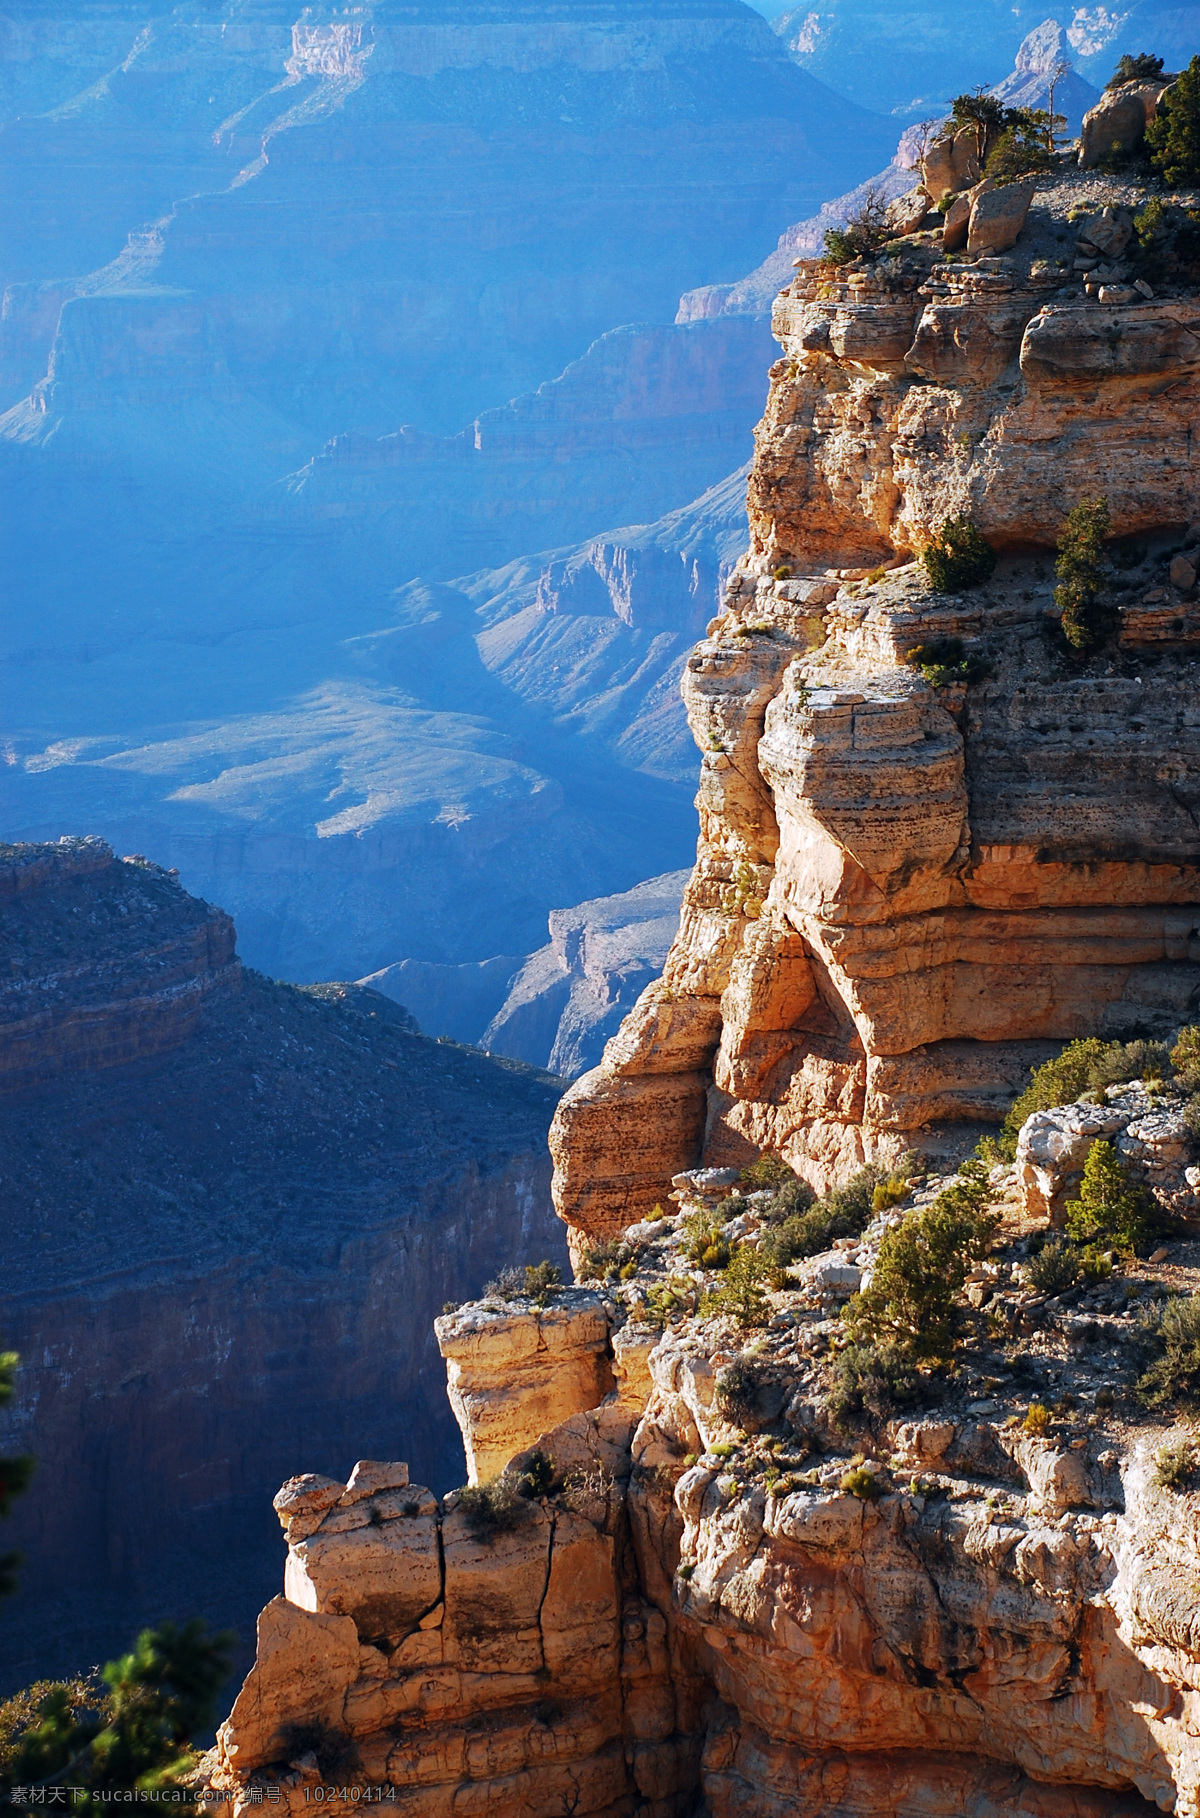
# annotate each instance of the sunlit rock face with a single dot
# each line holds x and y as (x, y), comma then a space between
(910, 881)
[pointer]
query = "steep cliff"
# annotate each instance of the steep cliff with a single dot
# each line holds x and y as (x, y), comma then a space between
(710, 1590)
(232, 1210)
(909, 881)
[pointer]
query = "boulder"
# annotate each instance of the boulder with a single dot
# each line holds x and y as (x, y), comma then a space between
(1107, 234)
(998, 215)
(1119, 120)
(1183, 574)
(304, 1501)
(950, 163)
(956, 223)
(1052, 1148)
(906, 213)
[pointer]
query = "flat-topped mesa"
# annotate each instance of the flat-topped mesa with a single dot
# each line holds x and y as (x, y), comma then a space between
(911, 883)
(104, 960)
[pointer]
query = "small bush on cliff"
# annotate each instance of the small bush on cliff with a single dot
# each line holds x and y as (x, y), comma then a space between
(534, 1282)
(810, 1229)
(1140, 68)
(491, 1508)
(1185, 1058)
(870, 1384)
(1059, 1266)
(1171, 1339)
(128, 1726)
(1081, 571)
(1026, 144)
(959, 556)
(705, 1243)
(1173, 136)
(1078, 1069)
(1110, 1209)
(860, 1482)
(767, 1171)
(944, 660)
(742, 1294)
(920, 1270)
(1175, 1466)
(864, 232)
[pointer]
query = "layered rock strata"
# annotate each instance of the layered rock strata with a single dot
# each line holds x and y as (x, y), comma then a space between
(693, 1618)
(133, 988)
(907, 886)
(230, 1217)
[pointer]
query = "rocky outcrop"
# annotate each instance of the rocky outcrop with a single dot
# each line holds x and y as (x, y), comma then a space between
(1148, 1130)
(1118, 122)
(513, 1372)
(134, 988)
(698, 1614)
(898, 893)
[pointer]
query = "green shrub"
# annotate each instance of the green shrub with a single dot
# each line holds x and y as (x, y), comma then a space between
(491, 1508)
(1037, 1419)
(921, 1268)
(127, 1726)
(1109, 1210)
(869, 1383)
(767, 1171)
(1172, 1337)
(1122, 1061)
(1081, 571)
(1185, 1058)
(1022, 149)
(860, 1482)
(986, 115)
(863, 234)
(1174, 1466)
(1173, 136)
(749, 1393)
(1081, 1067)
(534, 1282)
(889, 1193)
(1060, 1265)
(537, 1479)
(844, 1212)
(705, 1243)
(602, 1260)
(943, 660)
(1141, 68)
(959, 556)
(742, 1294)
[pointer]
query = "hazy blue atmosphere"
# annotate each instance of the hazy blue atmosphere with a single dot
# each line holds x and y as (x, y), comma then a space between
(316, 322)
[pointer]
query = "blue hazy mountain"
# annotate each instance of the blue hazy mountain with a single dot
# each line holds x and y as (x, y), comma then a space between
(300, 306)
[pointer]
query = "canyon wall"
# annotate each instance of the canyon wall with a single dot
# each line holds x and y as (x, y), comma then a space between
(233, 1209)
(909, 880)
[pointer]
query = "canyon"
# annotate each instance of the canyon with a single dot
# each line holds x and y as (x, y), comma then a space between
(727, 1545)
(223, 1196)
(391, 298)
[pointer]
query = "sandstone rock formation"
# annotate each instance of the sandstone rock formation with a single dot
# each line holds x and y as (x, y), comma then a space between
(692, 1618)
(906, 883)
(513, 1373)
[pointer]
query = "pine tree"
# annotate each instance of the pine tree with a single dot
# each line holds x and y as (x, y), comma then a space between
(1173, 136)
(14, 1475)
(1081, 573)
(1109, 1210)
